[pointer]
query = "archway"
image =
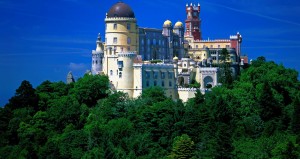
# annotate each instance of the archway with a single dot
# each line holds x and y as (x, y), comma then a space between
(208, 82)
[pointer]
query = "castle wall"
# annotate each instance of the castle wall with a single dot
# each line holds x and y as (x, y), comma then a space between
(186, 93)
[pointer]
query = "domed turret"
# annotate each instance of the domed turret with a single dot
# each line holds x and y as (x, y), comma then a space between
(167, 23)
(179, 24)
(120, 9)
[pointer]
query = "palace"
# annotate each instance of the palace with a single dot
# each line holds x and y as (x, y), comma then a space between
(173, 57)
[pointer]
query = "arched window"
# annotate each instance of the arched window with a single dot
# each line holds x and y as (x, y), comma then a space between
(111, 72)
(120, 74)
(128, 26)
(128, 40)
(115, 26)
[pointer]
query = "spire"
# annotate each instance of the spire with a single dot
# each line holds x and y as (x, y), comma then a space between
(70, 78)
(99, 43)
(198, 4)
(99, 38)
(191, 4)
(186, 5)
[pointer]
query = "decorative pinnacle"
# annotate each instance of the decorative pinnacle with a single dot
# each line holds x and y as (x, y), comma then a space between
(186, 5)
(198, 4)
(191, 4)
(99, 37)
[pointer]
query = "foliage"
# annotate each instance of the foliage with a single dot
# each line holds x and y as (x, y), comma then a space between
(225, 74)
(256, 116)
(183, 148)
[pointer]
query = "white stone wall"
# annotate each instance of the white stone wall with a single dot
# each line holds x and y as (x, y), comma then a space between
(186, 93)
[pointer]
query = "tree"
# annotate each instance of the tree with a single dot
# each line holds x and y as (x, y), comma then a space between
(91, 88)
(296, 115)
(225, 75)
(183, 148)
(153, 94)
(24, 97)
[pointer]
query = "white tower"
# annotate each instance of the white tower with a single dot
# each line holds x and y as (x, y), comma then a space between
(97, 57)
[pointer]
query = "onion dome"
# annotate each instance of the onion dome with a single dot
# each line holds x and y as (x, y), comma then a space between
(120, 9)
(178, 24)
(167, 23)
(175, 58)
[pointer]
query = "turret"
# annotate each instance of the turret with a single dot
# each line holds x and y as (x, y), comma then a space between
(168, 33)
(179, 30)
(175, 64)
(125, 75)
(235, 42)
(193, 22)
(97, 57)
(70, 78)
(167, 28)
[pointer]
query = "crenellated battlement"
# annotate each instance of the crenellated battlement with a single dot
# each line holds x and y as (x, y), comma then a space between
(156, 66)
(126, 54)
(115, 19)
(217, 40)
(188, 89)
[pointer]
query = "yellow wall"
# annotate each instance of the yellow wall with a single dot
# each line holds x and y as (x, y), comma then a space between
(121, 33)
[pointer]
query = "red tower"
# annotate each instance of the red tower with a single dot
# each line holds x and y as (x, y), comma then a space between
(193, 22)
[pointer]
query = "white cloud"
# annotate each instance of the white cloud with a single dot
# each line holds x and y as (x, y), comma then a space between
(77, 66)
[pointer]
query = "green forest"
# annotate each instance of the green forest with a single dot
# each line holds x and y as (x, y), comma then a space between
(256, 116)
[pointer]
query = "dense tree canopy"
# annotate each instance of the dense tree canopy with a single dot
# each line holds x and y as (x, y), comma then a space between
(255, 116)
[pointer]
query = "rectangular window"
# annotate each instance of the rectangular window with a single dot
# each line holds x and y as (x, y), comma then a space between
(162, 75)
(111, 72)
(120, 64)
(128, 26)
(120, 74)
(227, 46)
(147, 75)
(162, 83)
(115, 40)
(170, 75)
(155, 83)
(170, 83)
(155, 75)
(147, 83)
(128, 48)
(115, 26)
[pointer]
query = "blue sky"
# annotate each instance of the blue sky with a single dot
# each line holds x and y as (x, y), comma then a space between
(44, 40)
